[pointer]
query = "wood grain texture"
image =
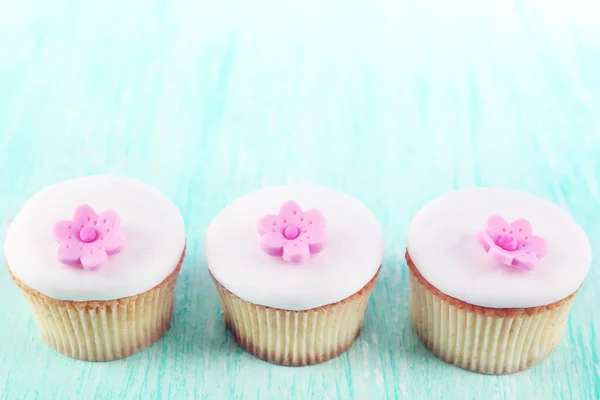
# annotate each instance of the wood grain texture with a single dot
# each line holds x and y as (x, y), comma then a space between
(390, 101)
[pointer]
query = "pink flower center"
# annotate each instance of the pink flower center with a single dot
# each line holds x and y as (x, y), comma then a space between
(507, 242)
(291, 232)
(87, 234)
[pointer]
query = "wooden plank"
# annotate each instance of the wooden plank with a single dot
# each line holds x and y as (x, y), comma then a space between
(394, 103)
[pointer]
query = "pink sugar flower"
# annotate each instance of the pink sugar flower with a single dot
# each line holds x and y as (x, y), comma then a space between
(512, 243)
(89, 238)
(293, 234)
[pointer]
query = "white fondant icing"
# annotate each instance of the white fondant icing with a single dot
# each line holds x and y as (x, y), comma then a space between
(152, 224)
(347, 264)
(442, 244)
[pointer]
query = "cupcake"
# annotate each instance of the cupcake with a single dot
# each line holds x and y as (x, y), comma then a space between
(493, 275)
(294, 267)
(97, 259)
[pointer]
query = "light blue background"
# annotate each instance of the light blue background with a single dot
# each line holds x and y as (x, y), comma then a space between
(390, 101)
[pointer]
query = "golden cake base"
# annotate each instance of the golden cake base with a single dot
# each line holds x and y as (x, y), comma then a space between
(104, 330)
(480, 339)
(295, 338)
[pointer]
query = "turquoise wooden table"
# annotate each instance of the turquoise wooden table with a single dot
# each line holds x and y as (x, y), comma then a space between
(392, 102)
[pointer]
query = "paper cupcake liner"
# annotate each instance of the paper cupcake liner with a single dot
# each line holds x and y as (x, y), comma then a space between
(480, 339)
(104, 330)
(295, 338)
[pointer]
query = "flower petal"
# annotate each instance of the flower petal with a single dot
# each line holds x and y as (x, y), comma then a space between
(535, 245)
(64, 231)
(108, 220)
(84, 216)
(317, 239)
(93, 257)
(296, 252)
(272, 243)
(525, 261)
(496, 226)
(290, 213)
(69, 252)
(113, 242)
(312, 218)
(269, 223)
(500, 255)
(521, 229)
(485, 240)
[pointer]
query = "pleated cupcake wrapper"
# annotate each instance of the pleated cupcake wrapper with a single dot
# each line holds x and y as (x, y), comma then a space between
(104, 330)
(295, 338)
(487, 341)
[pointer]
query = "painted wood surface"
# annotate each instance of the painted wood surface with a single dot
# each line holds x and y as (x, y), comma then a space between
(390, 101)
